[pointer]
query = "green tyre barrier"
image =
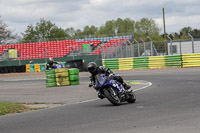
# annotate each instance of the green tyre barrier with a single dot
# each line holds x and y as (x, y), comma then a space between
(50, 72)
(73, 77)
(74, 82)
(51, 80)
(50, 76)
(51, 84)
(73, 71)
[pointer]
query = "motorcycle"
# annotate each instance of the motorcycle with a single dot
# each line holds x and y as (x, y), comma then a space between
(113, 90)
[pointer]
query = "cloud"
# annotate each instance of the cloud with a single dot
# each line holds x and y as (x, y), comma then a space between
(78, 13)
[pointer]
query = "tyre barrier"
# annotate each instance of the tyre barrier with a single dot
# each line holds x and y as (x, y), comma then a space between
(62, 77)
(13, 69)
(50, 78)
(74, 76)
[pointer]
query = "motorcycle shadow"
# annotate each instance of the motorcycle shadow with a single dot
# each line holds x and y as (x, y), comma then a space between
(111, 105)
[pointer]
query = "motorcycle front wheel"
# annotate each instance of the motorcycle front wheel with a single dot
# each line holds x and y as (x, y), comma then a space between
(112, 96)
(132, 98)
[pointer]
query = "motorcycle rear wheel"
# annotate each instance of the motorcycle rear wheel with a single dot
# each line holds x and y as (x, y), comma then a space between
(112, 96)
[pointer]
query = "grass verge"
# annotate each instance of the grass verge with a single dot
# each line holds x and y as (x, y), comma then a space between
(132, 82)
(11, 108)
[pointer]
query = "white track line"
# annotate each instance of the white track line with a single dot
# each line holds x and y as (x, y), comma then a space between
(88, 100)
(149, 84)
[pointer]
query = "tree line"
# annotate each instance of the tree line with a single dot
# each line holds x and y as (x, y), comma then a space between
(46, 30)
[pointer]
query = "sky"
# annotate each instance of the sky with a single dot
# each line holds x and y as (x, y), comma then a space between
(18, 14)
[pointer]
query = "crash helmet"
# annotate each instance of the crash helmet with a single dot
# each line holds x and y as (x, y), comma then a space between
(92, 67)
(50, 61)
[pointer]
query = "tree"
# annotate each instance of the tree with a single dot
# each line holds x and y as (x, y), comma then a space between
(185, 31)
(118, 26)
(5, 34)
(78, 33)
(147, 27)
(43, 30)
(71, 32)
(87, 30)
(128, 26)
(115, 27)
(108, 28)
(196, 33)
(57, 33)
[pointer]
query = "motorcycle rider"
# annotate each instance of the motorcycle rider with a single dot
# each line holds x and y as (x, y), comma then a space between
(51, 64)
(94, 70)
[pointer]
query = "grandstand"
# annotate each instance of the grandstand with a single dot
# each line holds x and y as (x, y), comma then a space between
(63, 48)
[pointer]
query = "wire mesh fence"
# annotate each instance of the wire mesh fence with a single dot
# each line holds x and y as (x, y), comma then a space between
(137, 49)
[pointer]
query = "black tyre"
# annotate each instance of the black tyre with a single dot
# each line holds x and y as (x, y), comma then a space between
(112, 96)
(132, 98)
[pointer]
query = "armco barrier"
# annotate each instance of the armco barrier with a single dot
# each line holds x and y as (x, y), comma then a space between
(125, 63)
(190, 60)
(156, 62)
(140, 62)
(173, 61)
(152, 62)
(111, 63)
(185, 60)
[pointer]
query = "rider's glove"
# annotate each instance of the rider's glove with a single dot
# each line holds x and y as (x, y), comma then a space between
(90, 85)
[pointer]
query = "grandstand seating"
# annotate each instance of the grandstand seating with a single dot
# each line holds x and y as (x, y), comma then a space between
(60, 48)
(107, 48)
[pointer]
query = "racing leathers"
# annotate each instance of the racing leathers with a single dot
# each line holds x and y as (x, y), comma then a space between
(107, 72)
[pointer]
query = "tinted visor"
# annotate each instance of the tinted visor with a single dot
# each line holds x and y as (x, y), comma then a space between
(91, 69)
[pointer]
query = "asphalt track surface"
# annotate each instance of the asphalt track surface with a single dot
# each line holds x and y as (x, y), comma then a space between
(170, 104)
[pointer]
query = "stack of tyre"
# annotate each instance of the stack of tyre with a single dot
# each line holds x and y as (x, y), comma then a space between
(50, 78)
(74, 76)
(62, 77)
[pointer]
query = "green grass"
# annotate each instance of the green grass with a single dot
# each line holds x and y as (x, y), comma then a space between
(10, 108)
(132, 82)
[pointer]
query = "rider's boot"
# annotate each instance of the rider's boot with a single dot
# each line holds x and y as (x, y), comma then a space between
(127, 87)
(100, 96)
